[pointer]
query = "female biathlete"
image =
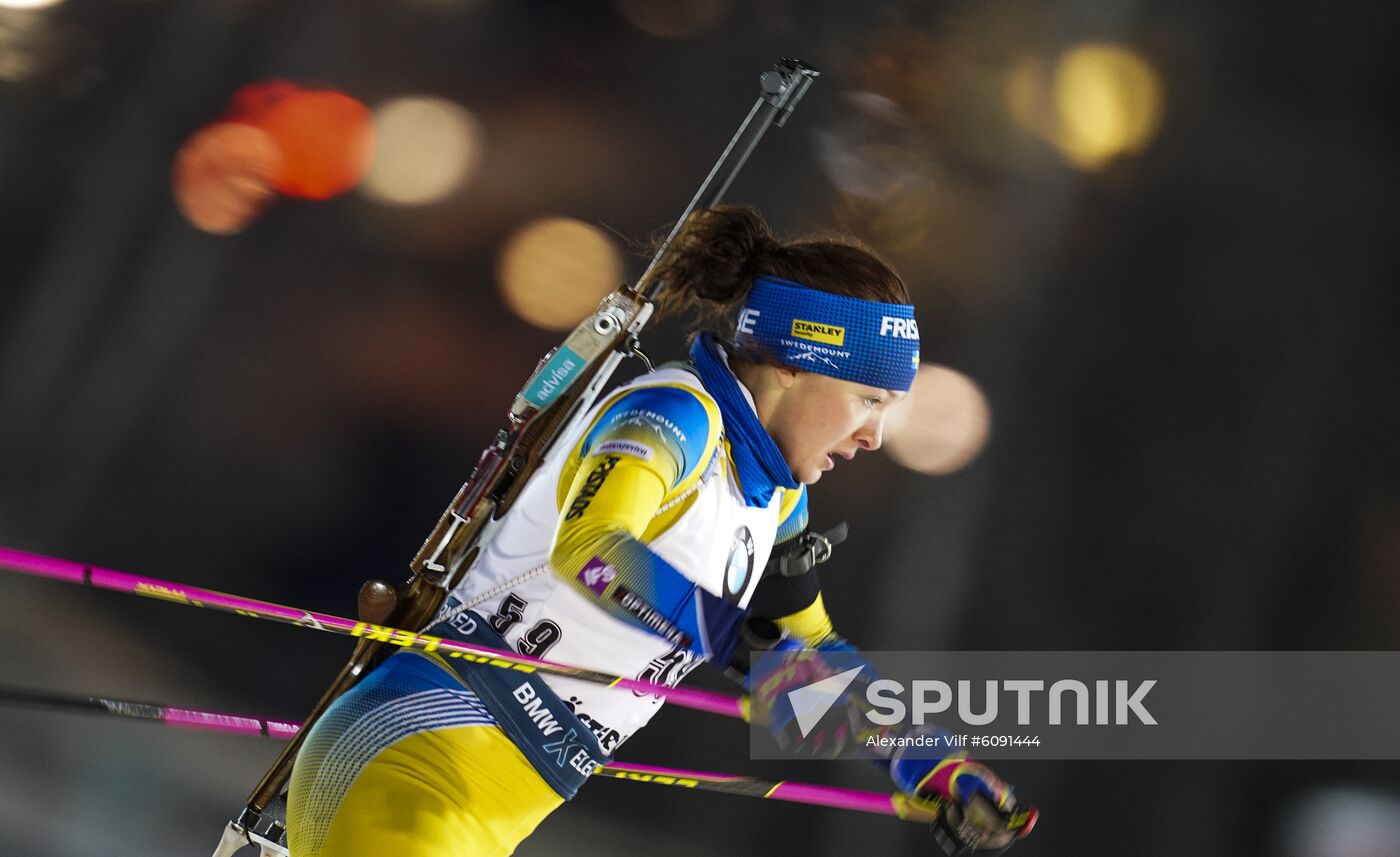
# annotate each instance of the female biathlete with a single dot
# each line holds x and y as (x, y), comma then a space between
(637, 549)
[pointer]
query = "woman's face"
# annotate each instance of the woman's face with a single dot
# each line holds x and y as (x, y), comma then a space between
(816, 420)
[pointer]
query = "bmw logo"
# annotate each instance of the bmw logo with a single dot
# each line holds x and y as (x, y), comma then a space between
(736, 577)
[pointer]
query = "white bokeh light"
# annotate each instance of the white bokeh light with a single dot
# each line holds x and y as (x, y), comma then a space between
(425, 149)
(942, 425)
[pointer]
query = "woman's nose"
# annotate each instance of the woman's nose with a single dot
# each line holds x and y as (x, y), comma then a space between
(871, 433)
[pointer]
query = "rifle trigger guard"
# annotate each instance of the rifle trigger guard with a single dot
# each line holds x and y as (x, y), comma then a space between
(631, 347)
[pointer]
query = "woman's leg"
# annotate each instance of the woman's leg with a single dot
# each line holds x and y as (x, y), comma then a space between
(411, 763)
(445, 793)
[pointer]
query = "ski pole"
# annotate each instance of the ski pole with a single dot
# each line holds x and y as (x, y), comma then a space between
(877, 803)
(53, 568)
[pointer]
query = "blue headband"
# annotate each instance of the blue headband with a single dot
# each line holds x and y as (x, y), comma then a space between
(849, 338)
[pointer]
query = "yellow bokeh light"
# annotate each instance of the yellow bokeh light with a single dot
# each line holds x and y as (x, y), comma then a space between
(1100, 102)
(28, 4)
(941, 425)
(1109, 101)
(425, 149)
(553, 272)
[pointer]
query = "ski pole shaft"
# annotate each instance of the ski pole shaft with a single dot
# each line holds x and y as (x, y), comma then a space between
(188, 718)
(53, 568)
(877, 803)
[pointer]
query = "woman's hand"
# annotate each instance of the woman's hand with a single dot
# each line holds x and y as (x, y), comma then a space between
(980, 811)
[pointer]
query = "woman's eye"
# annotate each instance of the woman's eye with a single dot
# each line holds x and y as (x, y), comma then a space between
(872, 401)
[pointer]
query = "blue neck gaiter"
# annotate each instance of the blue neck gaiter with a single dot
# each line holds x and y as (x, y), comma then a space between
(759, 462)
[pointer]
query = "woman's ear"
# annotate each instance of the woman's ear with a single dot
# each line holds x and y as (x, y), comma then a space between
(786, 377)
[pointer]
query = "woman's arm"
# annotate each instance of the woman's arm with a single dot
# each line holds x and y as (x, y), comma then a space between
(650, 444)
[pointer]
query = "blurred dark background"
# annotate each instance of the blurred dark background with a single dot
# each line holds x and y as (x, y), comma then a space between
(1154, 241)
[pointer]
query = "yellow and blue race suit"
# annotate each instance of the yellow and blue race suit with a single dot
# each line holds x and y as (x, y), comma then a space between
(634, 552)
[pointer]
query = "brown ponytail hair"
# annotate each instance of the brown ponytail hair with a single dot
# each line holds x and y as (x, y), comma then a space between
(715, 258)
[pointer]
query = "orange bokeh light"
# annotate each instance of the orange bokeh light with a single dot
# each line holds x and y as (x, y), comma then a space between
(223, 176)
(275, 137)
(326, 137)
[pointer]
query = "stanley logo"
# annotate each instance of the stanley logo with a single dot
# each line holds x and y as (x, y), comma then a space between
(811, 330)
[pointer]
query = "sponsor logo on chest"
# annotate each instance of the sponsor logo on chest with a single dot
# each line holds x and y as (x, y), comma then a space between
(740, 568)
(596, 575)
